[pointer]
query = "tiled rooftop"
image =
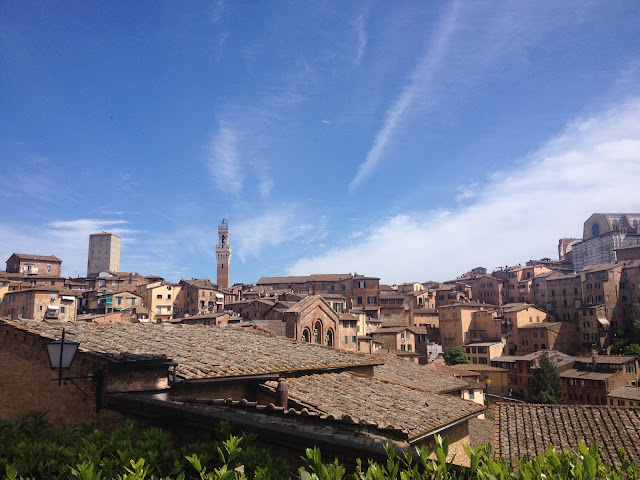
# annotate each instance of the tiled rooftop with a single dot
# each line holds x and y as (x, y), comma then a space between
(515, 307)
(628, 392)
(201, 283)
(586, 375)
(42, 258)
(476, 367)
(607, 359)
(305, 302)
(527, 429)
(411, 410)
(329, 277)
(201, 351)
(403, 372)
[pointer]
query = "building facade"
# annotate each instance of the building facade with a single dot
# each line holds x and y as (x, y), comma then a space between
(28, 264)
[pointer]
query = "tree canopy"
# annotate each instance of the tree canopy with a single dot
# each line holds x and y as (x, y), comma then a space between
(546, 385)
(455, 356)
(632, 349)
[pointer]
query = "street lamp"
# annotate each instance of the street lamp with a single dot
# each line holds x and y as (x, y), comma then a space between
(61, 354)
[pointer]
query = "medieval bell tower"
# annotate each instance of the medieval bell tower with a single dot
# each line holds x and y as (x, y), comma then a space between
(223, 254)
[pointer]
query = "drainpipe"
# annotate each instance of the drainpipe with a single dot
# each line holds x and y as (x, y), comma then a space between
(282, 395)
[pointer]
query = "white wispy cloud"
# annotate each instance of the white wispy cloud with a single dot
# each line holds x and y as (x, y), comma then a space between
(593, 165)
(361, 38)
(66, 239)
(224, 159)
(418, 82)
(284, 226)
(466, 192)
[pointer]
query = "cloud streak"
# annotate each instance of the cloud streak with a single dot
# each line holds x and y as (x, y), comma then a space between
(591, 166)
(418, 83)
(224, 160)
(361, 39)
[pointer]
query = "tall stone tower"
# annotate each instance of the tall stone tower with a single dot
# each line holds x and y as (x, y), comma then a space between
(104, 253)
(223, 254)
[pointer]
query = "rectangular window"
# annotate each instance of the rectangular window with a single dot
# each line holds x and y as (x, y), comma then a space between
(354, 339)
(333, 288)
(63, 309)
(362, 284)
(133, 301)
(168, 296)
(344, 288)
(53, 297)
(346, 339)
(359, 300)
(158, 310)
(159, 296)
(371, 300)
(119, 300)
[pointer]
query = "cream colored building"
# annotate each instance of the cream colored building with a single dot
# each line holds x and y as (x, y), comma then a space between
(164, 301)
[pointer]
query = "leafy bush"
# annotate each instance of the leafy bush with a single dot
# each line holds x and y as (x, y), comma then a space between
(31, 449)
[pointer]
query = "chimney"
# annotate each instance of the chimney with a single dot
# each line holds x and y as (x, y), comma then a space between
(282, 395)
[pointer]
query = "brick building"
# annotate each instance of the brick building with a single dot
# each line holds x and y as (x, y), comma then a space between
(40, 303)
(30, 264)
(467, 322)
(201, 296)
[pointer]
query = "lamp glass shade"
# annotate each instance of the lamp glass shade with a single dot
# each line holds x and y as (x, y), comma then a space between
(69, 350)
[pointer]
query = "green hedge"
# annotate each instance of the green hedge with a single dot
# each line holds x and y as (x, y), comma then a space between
(31, 449)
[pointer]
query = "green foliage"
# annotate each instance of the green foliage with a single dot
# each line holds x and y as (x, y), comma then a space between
(30, 448)
(632, 349)
(84, 453)
(546, 385)
(455, 356)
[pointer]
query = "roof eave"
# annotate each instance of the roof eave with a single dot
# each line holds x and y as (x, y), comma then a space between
(422, 436)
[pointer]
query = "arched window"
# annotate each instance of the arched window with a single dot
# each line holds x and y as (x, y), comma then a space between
(306, 335)
(595, 229)
(615, 225)
(543, 346)
(317, 332)
(329, 338)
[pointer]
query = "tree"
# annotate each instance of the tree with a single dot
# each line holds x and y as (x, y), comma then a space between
(546, 385)
(633, 349)
(455, 356)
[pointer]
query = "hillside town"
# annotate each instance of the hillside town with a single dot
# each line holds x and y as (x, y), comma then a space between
(338, 360)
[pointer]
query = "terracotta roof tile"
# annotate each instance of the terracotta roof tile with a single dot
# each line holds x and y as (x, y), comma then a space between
(201, 351)
(526, 429)
(413, 411)
(628, 392)
(329, 277)
(42, 258)
(410, 374)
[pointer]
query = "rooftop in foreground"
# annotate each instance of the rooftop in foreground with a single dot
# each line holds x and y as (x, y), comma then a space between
(527, 430)
(413, 411)
(201, 351)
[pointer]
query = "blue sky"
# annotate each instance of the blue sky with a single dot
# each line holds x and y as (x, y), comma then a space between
(406, 140)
